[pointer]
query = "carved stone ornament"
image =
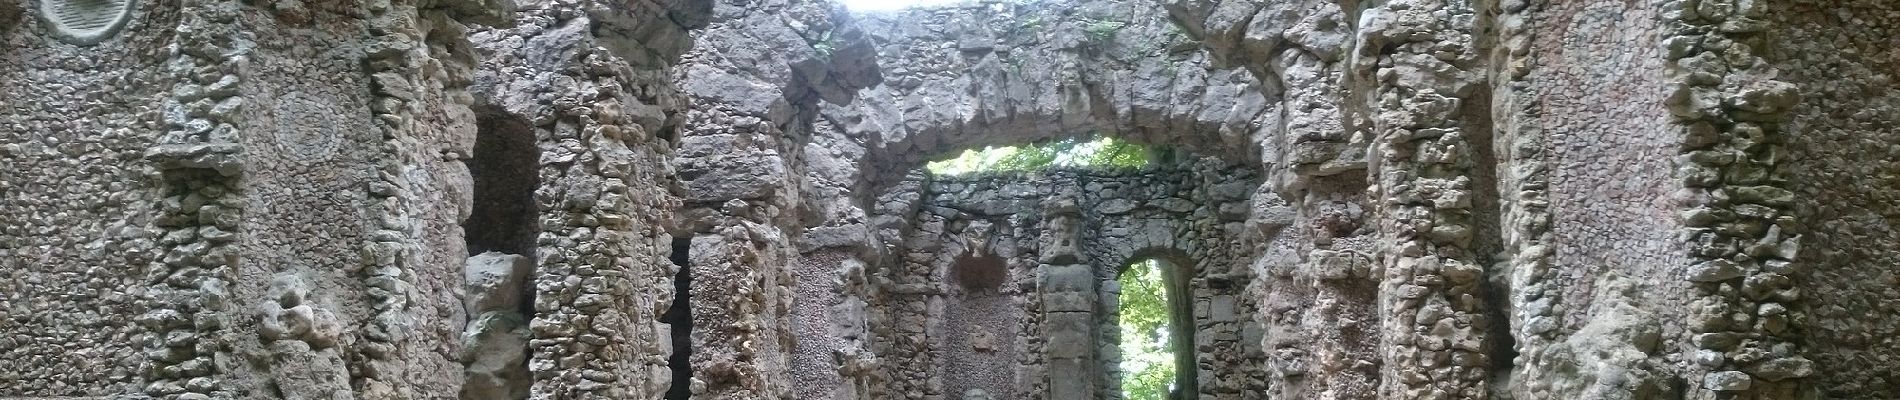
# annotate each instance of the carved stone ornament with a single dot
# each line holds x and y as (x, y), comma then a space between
(85, 22)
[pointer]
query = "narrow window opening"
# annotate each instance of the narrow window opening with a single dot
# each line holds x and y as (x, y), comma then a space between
(505, 170)
(1102, 152)
(1157, 332)
(680, 317)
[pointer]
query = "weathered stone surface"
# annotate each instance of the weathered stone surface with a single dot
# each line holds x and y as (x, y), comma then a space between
(1727, 381)
(495, 282)
(1397, 199)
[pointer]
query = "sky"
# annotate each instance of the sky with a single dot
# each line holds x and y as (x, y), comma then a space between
(878, 5)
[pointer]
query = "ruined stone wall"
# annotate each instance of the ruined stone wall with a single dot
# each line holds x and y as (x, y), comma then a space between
(1531, 187)
(1455, 199)
(591, 81)
(243, 192)
(754, 85)
(1837, 157)
(78, 249)
(1042, 324)
(285, 197)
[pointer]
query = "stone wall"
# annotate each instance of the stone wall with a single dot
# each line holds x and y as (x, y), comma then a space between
(79, 251)
(1836, 159)
(1413, 198)
(1042, 323)
(592, 83)
(284, 188)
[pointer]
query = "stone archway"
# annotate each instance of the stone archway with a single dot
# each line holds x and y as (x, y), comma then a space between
(1063, 236)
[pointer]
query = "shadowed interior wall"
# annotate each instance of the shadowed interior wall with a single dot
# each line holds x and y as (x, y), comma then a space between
(506, 170)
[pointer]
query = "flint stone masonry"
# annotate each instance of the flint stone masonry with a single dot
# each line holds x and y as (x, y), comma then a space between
(1417, 199)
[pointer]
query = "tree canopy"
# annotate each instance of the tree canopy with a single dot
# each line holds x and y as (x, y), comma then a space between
(1101, 152)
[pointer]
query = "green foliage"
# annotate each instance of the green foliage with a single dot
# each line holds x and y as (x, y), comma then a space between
(1147, 363)
(1102, 31)
(1105, 152)
(1032, 25)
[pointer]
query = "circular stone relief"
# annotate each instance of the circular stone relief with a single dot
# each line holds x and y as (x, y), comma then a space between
(306, 127)
(85, 22)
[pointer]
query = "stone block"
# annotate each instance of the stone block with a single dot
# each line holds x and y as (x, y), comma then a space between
(1067, 278)
(495, 281)
(1069, 334)
(1221, 308)
(1068, 302)
(1727, 381)
(1070, 380)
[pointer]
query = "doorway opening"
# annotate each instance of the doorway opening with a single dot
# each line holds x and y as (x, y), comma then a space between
(1155, 313)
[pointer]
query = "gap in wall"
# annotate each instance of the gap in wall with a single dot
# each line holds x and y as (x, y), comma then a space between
(505, 171)
(1155, 307)
(680, 317)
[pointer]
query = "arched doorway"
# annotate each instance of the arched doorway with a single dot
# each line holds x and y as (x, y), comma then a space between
(1155, 313)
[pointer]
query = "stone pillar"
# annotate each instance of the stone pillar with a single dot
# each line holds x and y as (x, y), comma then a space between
(1432, 320)
(1741, 226)
(1068, 306)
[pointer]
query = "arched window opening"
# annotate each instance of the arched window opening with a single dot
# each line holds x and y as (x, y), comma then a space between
(1157, 331)
(1074, 152)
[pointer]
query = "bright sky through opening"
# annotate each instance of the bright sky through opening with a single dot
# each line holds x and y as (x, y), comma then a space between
(881, 5)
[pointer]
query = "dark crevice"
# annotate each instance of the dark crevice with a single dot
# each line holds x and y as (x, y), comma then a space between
(680, 317)
(1488, 246)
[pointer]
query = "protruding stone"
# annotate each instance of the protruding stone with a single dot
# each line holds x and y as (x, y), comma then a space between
(495, 281)
(1714, 271)
(1783, 369)
(1727, 381)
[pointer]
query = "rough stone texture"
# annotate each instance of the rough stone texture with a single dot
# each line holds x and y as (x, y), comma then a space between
(1838, 162)
(1394, 199)
(78, 204)
(590, 79)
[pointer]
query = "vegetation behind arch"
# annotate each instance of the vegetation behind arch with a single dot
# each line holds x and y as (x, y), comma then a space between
(1079, 152)
(1147, 360)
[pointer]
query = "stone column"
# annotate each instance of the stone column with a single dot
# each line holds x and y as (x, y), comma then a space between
(1432, 321)
(1068, 306)
(1741, 226)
